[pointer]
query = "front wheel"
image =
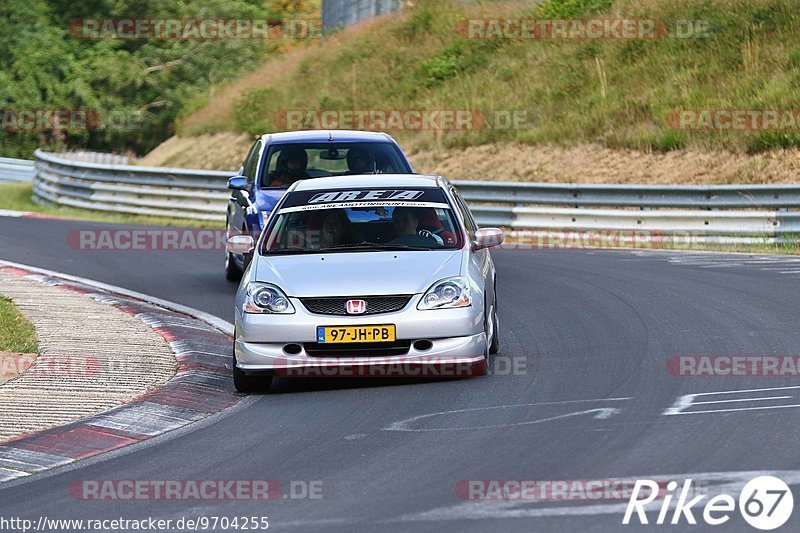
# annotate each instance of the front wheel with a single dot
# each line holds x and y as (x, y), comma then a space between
(232, 272)
(248, 383)
(494, 347)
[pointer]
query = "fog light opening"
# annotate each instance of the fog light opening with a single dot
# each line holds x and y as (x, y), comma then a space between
(423, 345)
(292, 349)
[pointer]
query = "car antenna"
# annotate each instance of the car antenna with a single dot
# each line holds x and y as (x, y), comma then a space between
(330, 136)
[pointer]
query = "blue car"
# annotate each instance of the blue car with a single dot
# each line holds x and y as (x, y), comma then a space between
(277, 160)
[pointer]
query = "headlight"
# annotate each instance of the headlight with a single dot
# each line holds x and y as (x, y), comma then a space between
(266, 298)
(446, 294)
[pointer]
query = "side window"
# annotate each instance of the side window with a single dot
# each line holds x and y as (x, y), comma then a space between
(251, 165)
(472, 227)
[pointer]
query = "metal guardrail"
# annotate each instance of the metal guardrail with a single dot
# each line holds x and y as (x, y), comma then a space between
(337, 14)
(131, 189)
(719, 213)
(15, 170)
(640, 196)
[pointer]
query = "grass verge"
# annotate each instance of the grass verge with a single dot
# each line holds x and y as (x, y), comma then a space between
(17, 335)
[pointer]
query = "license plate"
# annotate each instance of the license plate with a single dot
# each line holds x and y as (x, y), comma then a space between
(335, 334)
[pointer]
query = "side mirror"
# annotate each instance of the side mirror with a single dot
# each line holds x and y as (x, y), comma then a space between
(237, 183)
(241, 244)
(487, 237)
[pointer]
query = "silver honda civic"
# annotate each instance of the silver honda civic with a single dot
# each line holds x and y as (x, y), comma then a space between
(366, 276)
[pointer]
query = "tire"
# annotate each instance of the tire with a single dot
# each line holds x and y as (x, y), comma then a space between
(487, 347)
(232, 271)
(494, 347)
(248, 383)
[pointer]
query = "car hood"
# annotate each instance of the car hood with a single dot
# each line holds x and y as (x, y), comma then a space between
(359, 273)
(267, 198)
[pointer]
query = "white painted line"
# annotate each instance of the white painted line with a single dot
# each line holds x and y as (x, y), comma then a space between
(722, 265)
(7, 473)
(13, 214)
(737, 409)
(601, 413)
(722, 483)
(745, 400)
(687, 400)
(702, 253)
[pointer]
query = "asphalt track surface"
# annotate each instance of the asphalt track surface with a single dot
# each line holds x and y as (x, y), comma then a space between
(593, 329)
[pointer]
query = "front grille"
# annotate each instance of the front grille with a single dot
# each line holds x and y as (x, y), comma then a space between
(337, 306)
(357, 349)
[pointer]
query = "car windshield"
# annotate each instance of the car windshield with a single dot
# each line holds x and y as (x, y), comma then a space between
(362, 221)
(287, 163)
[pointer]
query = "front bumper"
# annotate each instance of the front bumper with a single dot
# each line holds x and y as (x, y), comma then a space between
(457, 339)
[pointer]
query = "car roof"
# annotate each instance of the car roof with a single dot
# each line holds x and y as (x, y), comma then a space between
(325, 136)
(368, 181)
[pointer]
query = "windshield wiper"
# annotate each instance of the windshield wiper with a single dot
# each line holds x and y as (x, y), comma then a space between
(374, 247)
(293, 250)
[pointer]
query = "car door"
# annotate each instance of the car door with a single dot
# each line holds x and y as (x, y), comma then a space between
(238, 216)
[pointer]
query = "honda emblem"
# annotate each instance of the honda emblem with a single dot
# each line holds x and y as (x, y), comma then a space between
(356, 307)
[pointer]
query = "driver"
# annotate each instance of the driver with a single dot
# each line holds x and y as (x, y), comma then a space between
(406, 221)
(291, 166)
(360, 161)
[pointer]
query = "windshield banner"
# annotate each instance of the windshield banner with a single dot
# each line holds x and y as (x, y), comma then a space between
(364, 198)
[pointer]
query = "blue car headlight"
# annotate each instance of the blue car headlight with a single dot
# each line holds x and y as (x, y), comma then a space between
(267, 298)
(446, 294)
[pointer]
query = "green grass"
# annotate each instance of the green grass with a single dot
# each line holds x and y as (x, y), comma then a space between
(618, 93)
(19, 197)
(17, 335)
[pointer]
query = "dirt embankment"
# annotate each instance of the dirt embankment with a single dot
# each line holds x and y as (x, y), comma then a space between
(518, 162)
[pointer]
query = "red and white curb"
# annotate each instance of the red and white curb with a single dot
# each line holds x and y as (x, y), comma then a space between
(201, 387)
(29, 214)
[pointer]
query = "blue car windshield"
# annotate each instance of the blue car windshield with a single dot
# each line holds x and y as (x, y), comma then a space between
(287, 163)
(330, 222)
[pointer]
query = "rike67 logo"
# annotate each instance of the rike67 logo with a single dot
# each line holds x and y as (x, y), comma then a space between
(765, 503)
